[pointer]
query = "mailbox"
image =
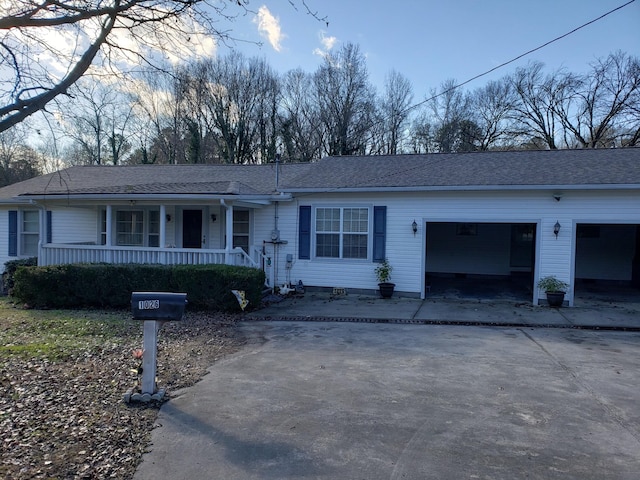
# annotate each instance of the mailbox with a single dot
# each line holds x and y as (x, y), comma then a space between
(158, 305)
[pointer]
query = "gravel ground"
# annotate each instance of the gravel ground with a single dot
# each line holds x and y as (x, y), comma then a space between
(66, 419)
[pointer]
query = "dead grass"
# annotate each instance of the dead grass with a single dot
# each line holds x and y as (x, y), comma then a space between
(62, 377)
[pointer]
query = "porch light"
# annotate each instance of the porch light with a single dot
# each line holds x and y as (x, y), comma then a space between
(414, 227)
(213, 218)
(556, 229)
(168, 217)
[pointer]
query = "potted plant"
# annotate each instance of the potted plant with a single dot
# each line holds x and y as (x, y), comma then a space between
(554, 288)
(383, 274)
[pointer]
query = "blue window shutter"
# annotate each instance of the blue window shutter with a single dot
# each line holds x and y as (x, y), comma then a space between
(49, 231)
(13, 233)
(379, 233)
(304, 233)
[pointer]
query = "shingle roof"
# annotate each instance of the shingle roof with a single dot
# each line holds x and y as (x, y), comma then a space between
(481, 169)
(509, 169)
(155, 179)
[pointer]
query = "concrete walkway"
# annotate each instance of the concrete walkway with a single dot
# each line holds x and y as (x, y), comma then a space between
(501, 312)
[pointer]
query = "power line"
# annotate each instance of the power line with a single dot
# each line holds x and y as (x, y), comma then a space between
(333, 189)
(518, 57)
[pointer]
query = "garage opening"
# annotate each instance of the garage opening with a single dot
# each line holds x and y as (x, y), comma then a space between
(607, 263)
(480, 260)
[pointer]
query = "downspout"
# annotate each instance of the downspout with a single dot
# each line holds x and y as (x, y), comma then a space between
(275, 235)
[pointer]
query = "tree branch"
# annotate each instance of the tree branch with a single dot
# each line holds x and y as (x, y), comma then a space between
(24, 108)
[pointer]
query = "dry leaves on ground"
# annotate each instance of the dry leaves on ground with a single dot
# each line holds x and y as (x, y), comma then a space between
(64, 417)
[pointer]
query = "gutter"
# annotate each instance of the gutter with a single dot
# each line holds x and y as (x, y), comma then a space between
(143, 197)
(463, 188)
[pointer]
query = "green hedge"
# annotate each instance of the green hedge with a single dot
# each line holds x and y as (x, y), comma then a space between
(208, 287)
(10, 268)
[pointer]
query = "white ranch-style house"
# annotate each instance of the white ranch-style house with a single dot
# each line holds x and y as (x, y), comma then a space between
(574, 214)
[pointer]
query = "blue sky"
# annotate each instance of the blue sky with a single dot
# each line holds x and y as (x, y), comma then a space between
(431, 41)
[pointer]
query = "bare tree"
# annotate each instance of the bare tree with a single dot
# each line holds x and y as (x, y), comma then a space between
(491, 107)
(17, 160)
(536, 106)
(421, 134)
(454, 129)
(600, 105)
(395, 110)
(300, 123)
(240, 106)
(97, 123)
(159, 102)
(345, 99)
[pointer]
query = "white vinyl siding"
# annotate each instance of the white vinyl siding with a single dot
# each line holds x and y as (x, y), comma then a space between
(407, 252)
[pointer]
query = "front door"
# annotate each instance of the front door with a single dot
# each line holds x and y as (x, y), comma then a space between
(192, 229)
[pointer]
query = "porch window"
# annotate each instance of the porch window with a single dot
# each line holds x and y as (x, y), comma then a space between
(154, 228)
(103, 227)
(130, 227)
(241, 229)
(30, 232)
(342, 232)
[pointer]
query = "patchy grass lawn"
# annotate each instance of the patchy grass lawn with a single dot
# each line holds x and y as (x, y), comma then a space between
(62, 377)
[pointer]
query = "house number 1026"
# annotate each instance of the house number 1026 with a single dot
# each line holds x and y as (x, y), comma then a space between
(149, 304)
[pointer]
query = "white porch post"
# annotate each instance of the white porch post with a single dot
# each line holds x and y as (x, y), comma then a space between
(109, 214)
(229, 234)
(163, 226)
(109, 233)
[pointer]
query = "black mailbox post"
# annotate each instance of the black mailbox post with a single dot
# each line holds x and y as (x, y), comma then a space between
(158, 305)
(154, 308)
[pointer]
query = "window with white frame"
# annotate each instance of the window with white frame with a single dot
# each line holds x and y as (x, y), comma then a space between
(241, 225)
(29, 233)
(342, 232)
(130, 227)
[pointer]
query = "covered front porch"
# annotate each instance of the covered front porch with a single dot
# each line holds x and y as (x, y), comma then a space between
(220, 231)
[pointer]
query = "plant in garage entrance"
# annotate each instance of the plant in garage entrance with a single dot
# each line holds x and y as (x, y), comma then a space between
(554, 288)
(383, 274)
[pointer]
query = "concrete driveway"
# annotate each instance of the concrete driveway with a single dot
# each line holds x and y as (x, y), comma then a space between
(377, 401)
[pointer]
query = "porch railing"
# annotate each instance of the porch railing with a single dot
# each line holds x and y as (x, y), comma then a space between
(57, 254)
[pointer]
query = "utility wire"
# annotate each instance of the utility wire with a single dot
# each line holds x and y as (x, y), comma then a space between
(333, 189)
(517, 58)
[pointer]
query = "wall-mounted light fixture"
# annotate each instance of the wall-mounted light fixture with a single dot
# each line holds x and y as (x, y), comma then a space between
(414, 227)
(557, 197)
(213, 217)
(168, 217)
(556, 229)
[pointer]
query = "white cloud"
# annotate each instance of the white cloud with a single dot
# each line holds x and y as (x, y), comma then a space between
(327, 44)
(269, 27)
